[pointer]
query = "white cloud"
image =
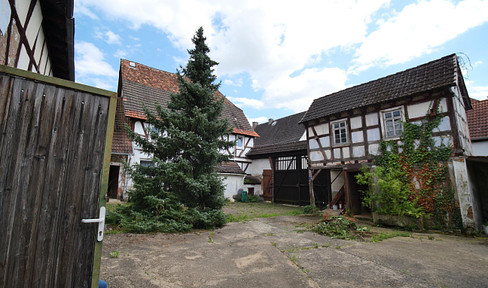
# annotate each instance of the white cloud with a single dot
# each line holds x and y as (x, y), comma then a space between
(268, 40)
(91, 67)
(419, 29)
(120, 54)
(89, 61)
(230, 82)
(108, 36)
(477, 92)
(259, 120)
(112, 38)
(297, 93)
(278, 43)
(241, 102)
(103, 83)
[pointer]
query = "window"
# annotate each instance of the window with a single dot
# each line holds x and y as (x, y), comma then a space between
(339, 129)
(393, 123)
(240, 142)
(147, 163)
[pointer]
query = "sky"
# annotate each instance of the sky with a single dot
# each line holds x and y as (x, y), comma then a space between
(276, 57)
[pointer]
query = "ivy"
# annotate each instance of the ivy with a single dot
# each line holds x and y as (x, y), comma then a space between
(411, 177)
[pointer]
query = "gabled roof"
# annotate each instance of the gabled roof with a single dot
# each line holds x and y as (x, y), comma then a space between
(437, 74)
(478, 119)
(121, 143)
(230, 167)
(142, 85)
(280, 135)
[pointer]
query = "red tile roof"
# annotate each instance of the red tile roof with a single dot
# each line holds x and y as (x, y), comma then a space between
(121, 142)
(478, 119)
(142, 85)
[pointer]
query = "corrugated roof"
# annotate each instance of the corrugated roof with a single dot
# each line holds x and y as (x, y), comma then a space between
(440, 73)
(143, 85)
(478, 119)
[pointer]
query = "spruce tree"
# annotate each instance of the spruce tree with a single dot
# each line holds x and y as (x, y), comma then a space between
(186, 139)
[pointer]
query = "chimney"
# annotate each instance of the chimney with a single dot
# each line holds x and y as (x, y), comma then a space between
(270, 121)
(254, 125)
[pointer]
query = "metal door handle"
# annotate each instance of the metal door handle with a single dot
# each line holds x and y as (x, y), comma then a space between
(100, 221)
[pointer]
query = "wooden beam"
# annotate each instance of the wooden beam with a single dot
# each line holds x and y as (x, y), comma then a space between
(104, 187)
(56, 81)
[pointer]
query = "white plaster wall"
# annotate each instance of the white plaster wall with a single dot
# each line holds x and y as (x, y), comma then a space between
(321, 129)
(463, 190)
(461, 121)
(257, 166)
(373, 134)
(356, 122)
(23, 59)
(316, 156)
(338, 183)
(419, 109)
(232, 183)
(480, 148)
(34, 24)
(372, 119)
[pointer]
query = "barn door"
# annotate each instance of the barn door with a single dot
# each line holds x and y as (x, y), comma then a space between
(267, 187)
(54, 140)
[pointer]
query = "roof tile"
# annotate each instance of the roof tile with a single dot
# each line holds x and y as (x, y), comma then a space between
(145, 86)
(478, 119)
(436, 74)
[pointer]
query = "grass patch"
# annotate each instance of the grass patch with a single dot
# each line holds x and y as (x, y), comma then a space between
(242, 212)
(387, 235)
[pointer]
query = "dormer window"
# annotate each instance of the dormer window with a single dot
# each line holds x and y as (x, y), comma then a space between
(240, 142)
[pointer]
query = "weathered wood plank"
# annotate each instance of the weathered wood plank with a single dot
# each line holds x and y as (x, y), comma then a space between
(52, 148)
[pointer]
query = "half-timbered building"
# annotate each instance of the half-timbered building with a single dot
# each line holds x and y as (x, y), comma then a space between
(141, 85)
(37, 36)
(279, 158)
(344, 129)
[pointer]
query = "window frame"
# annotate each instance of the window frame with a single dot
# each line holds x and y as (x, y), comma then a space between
(384, 122)
(242, 142)
(333, 134)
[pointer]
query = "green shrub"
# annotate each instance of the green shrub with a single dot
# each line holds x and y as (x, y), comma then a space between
(338, 227)
(309, 209)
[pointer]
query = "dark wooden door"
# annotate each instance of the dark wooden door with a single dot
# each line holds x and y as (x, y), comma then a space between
(113, 182)
(52, 152)
(266, 185)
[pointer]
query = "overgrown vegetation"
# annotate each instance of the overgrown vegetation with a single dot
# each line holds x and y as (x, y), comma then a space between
(181, 190)
(340, 227)
(411, 178)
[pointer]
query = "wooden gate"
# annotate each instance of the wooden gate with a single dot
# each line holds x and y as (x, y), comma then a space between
(291, 182)
(55, 141)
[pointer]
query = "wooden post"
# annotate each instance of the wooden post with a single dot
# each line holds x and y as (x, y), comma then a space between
(104, 186)
(347, 191)
(310, 187)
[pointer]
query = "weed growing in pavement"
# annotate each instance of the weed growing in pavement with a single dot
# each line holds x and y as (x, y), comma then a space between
(387, 235)
(339, 227)
(114, 254)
